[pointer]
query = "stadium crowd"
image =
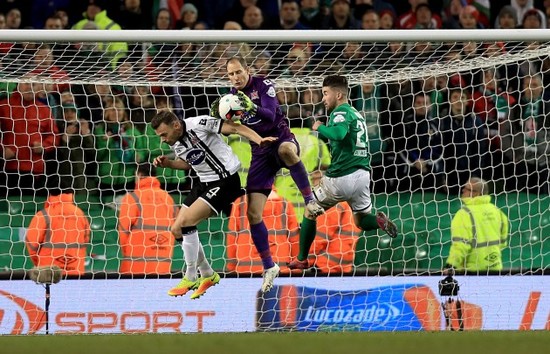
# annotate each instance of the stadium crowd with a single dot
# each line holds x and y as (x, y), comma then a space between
(428, 134)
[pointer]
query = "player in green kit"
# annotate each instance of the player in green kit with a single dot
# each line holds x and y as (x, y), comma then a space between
(348, 176)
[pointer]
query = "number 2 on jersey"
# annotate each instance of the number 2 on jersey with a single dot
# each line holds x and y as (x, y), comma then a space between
(361, 141)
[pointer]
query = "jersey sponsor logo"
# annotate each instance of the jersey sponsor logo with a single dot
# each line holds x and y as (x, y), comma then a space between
(195, 156)
(18, 315)
(339, 119)
(360, 153)
(254, 95)
(202, 121)
(271, 92)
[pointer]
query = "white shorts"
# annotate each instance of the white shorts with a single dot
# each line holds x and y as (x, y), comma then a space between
(353, 189)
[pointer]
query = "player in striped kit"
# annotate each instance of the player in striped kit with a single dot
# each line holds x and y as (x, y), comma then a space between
(198, 145)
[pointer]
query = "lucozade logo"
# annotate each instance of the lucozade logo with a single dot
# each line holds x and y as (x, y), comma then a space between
(19, 316)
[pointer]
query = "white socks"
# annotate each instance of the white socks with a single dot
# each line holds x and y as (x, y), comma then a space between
(190, 247)
(194, 256)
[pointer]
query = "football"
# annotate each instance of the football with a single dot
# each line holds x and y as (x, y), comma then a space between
(230, 107)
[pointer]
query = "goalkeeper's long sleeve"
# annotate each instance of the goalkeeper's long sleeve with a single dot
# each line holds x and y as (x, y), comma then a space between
(336, 132)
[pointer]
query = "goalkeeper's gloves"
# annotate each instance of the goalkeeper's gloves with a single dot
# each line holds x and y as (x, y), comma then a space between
(249, 107)
(215, 108)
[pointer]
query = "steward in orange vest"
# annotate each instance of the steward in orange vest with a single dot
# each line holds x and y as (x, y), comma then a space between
(333, 250)
(58, 234)
(144, 221)
(280, 219)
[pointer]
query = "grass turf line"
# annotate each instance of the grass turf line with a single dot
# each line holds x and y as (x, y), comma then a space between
(486, 342)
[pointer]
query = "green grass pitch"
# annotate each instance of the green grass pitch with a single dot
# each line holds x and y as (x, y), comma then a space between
(487, 342)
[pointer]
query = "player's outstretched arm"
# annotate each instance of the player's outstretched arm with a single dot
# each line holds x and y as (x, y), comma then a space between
(230, 127)
(177, 164)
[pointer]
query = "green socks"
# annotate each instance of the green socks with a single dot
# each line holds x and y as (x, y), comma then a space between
(308, 231)
(368, 222)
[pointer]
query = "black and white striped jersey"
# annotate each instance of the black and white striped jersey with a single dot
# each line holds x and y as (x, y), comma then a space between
(204, 149)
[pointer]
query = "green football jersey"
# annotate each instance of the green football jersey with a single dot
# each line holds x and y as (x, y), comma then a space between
(351, 153)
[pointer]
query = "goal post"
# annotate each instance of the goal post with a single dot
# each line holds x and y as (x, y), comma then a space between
(415, 88)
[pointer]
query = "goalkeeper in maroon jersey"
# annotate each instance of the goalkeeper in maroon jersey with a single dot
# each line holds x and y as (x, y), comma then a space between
(263, 115)
(348, 176)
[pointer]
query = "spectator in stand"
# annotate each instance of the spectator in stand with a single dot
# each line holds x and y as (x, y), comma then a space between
(451, 13)
(492, 105)
(297, 61)
(533, 19)
(236, 13)
(353, 57)
(522, 6)
(253, 19)
(96, 13)
(189, 16)
(408, 19)
(362, 6)
(419, 164)
(469, 18)
(546, 5)
(53, 22)
(134, 15)
(507, 18)
(311, 106)
(59, 234)
(64, 16)
(387, 19)
(262, 63)
(370, 20)
(42, 9)
(120, 147)
(526, 140)
(2, 21)
(464, 142)
(76, 150)
(43, 62)
(424, 17)
(13, 19)
(290, 16)
(311, 14)
(29, 137)
(144, 221)
(340, 16)
(288, 101)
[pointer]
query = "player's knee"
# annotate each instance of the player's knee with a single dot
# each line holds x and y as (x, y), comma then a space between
(288, 153)
(188, 222)
(254, 216)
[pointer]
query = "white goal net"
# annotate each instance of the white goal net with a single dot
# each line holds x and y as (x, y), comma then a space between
(441, 107)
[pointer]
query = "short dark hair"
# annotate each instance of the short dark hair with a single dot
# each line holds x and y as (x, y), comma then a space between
(238, 59)
(337, 82)
(146, 169)
(165, 117)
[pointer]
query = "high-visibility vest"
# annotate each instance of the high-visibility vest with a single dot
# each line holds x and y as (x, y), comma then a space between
(58, 235)
(279, 218)
(145, 239)
(334, 247)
